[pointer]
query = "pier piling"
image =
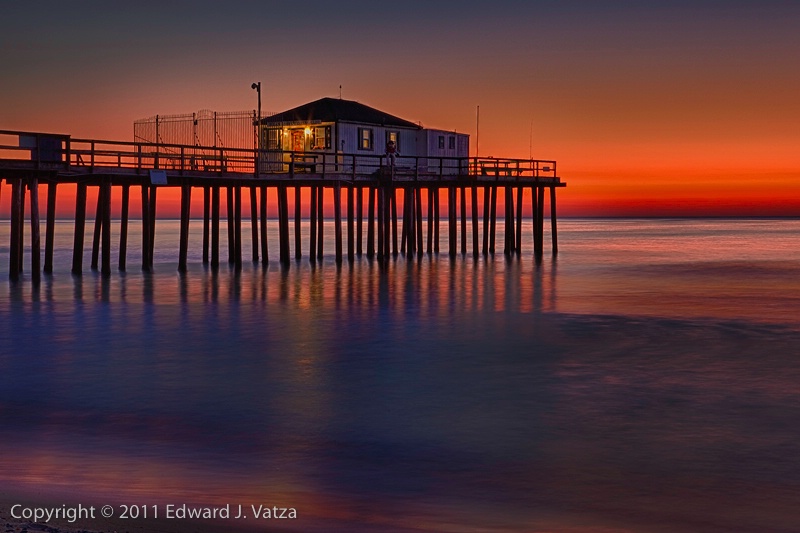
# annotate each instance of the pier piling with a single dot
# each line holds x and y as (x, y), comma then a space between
(264, 245)
(254, 222)
(16, 229)
(337, 220)
(123, 227)
(105, 193)
(206, 222)
(145, 228)
(49, 234)
(80, 228)
(36, 252)
(298, 252)
(215, 198)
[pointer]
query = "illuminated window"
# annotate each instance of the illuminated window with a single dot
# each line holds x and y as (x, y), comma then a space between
(365, 138)
(273, 139)
(393, 136)
(322, 138)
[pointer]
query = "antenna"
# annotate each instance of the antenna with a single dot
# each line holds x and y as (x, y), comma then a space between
(340, 92)
(478, 132)
(530, 142)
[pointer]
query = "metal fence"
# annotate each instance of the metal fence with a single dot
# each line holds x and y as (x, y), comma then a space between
(209, 129)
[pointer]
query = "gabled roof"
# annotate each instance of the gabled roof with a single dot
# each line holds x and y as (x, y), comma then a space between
(335, 110)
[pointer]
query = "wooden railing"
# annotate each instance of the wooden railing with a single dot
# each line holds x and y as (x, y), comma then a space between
(54, 151)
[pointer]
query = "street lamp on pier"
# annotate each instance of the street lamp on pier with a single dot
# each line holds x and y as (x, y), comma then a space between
(256, 86)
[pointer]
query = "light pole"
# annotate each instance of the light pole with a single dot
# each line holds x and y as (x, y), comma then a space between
(257, 87)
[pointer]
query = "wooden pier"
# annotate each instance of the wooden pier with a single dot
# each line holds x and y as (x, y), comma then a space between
(31, 160)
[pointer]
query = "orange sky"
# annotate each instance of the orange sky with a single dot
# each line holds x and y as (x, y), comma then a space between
(687, 109)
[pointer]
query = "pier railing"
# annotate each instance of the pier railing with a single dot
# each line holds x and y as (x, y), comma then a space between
(62, 152)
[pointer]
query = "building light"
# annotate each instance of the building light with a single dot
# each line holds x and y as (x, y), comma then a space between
(307, 130)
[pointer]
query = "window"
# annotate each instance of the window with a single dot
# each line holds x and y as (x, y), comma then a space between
(273, 136)
(452, 143)
(365, 138)
(393, 136)
(441, 142)
(322, 138)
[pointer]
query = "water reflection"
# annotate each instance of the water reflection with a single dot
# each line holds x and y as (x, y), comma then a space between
(588, 390)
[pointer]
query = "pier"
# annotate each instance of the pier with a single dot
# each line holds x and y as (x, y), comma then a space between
(380, 208)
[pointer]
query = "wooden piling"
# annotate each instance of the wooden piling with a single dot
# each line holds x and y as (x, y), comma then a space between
(98, 221)
(206, 221)
(540, 220)
(80, 227)
(474, 220)
(509, 228)
(410, 218)
(371, 222)
(337, 219)
(36, 251)
(418, 204)
(145, 228)
(451, 219)
(49, 234)
(430, 220)
(493, 222)
(535, 218)
(392, 198)
(312, 245)
(359, 219)
(21, 228)
(264, 245)
(436, 220)
(298, 204)
(350, 224)
(520, 195)
(486, 208)
(105, 193)
(283, 223)
(123, 227)
(381, 207)
(553, 226)
(463, 220)
(254, 221)
(237, 191)
(389, 192)
(152, 241)
(231, 237)
(404, 232)
(186, 201)
(16, 224)
(320, 221)
(215, 198)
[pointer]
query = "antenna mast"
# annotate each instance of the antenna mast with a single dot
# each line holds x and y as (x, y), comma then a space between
(478, 132)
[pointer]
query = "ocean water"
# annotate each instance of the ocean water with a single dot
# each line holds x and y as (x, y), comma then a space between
(645, 380)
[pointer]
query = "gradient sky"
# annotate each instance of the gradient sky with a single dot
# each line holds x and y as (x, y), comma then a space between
(650, 108)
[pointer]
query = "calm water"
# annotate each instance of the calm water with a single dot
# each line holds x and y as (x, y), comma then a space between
(645, 381)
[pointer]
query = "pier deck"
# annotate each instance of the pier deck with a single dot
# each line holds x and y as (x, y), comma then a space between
(29, 159)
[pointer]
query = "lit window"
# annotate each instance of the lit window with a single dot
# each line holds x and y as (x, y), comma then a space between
(322, 138)
(273, 139)
(392, 136)
(364, 138)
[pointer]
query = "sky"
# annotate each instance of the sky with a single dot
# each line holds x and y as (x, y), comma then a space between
(670, 108)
